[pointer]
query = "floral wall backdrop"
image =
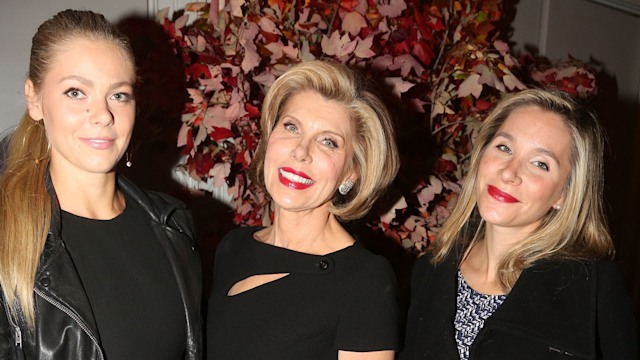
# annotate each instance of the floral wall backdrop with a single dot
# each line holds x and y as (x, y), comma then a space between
(441, 65)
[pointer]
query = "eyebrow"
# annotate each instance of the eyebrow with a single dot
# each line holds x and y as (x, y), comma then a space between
(541, 150)
(87, 82)
(343, 137)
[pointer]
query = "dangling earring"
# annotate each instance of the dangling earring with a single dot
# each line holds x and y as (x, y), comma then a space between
(345, 187)
(128, 158)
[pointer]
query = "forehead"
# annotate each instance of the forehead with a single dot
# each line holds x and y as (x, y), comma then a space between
(538, 128)
(310, 107)
(82, 53)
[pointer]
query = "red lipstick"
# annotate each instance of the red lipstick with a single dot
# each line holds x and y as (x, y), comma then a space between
(294, 179)
(501, 195)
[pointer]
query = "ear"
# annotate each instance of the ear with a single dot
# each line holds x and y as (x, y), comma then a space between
(34, 105)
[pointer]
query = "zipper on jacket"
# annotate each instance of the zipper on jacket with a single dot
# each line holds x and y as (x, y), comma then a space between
(17, 332)
(73, 316)
(18, 335)
(551, 348)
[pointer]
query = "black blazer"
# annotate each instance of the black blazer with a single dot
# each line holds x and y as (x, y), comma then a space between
(558, 309)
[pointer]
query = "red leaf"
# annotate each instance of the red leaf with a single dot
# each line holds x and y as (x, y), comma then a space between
(220, 133)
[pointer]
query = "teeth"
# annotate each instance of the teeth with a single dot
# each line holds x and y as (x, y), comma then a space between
(295, 178)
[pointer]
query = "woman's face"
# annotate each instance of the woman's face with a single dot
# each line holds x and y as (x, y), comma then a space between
(87, 105)
(524, 169)
(307, 152)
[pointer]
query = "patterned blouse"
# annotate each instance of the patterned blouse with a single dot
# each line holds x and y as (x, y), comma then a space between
(473, 308)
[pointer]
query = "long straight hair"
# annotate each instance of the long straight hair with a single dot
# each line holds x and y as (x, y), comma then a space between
(578, 230)
(25, 203)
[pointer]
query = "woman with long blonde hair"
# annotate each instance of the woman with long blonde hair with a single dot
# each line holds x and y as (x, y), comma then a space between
(521, 268)
(91, 266)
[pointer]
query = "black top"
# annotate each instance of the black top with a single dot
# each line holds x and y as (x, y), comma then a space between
(345, 300)
(129, 283)
(558, 309)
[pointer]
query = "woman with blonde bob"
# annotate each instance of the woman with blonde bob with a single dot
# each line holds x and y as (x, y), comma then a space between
(520, 269)
(302, 288)
(91, 266)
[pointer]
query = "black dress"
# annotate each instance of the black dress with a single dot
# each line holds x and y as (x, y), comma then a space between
(345, 300)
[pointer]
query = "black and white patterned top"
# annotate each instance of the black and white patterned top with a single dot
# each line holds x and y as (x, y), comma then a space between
(473, 308)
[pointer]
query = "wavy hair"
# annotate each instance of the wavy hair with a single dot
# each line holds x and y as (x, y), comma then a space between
(578, 230)
(374, 157)
(25, 203)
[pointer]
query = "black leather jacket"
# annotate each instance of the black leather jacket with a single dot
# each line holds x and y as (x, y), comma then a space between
(65, 325)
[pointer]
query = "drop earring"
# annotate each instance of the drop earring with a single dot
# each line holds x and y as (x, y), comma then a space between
(345, 187)
(128, 158)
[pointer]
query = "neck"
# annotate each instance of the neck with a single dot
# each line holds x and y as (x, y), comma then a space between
(481, 262)
(93, 196)
(314, 232)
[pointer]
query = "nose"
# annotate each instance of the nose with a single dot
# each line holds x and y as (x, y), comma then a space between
(100, 113)
(301, 152)
(510, 173)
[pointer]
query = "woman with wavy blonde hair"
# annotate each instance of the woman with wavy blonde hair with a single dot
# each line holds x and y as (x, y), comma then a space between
(303, 288)
(91, 266)
(520, 269)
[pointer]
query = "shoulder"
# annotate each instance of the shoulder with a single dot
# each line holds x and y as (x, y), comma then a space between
(577, 283)
(567, 270)
(365, 263)
(161, 208)
(238, 238)
(235, 243)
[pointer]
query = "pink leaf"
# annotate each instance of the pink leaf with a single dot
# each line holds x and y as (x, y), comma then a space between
(236, 7)
(513, 82)
(426, 195)
(269, 26)
(234, 111)
(196, 96)
(220, 172)
(394, 8)
(353, 22)
(363, 49)
(399, 85)
(182, 135)
(338, 46)
(265, 78)
(470, 86)
(406, 62)
(487, 76)
(502, 47)
(276, 49)
(215, 117)
(382, 63)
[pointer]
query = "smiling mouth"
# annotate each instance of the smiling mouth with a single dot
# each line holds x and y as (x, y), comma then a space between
(501, 195)
(295, 178)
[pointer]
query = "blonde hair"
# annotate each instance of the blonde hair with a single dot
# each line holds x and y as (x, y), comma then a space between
(375, 156)
(578, 230)
(25, 202)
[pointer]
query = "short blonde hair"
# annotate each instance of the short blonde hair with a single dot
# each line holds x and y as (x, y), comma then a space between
(578, 230)
(374, 157)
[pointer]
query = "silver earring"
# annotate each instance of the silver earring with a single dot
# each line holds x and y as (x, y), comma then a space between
(345, 187)
(128, 157)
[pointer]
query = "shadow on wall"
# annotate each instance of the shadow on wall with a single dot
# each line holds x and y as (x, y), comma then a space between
(160, 97)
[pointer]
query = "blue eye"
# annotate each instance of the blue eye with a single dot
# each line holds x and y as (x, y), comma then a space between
(542, 165)
(330, 143)
(122, 97)
(290, 127)
(74, 93)
(503, 148)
